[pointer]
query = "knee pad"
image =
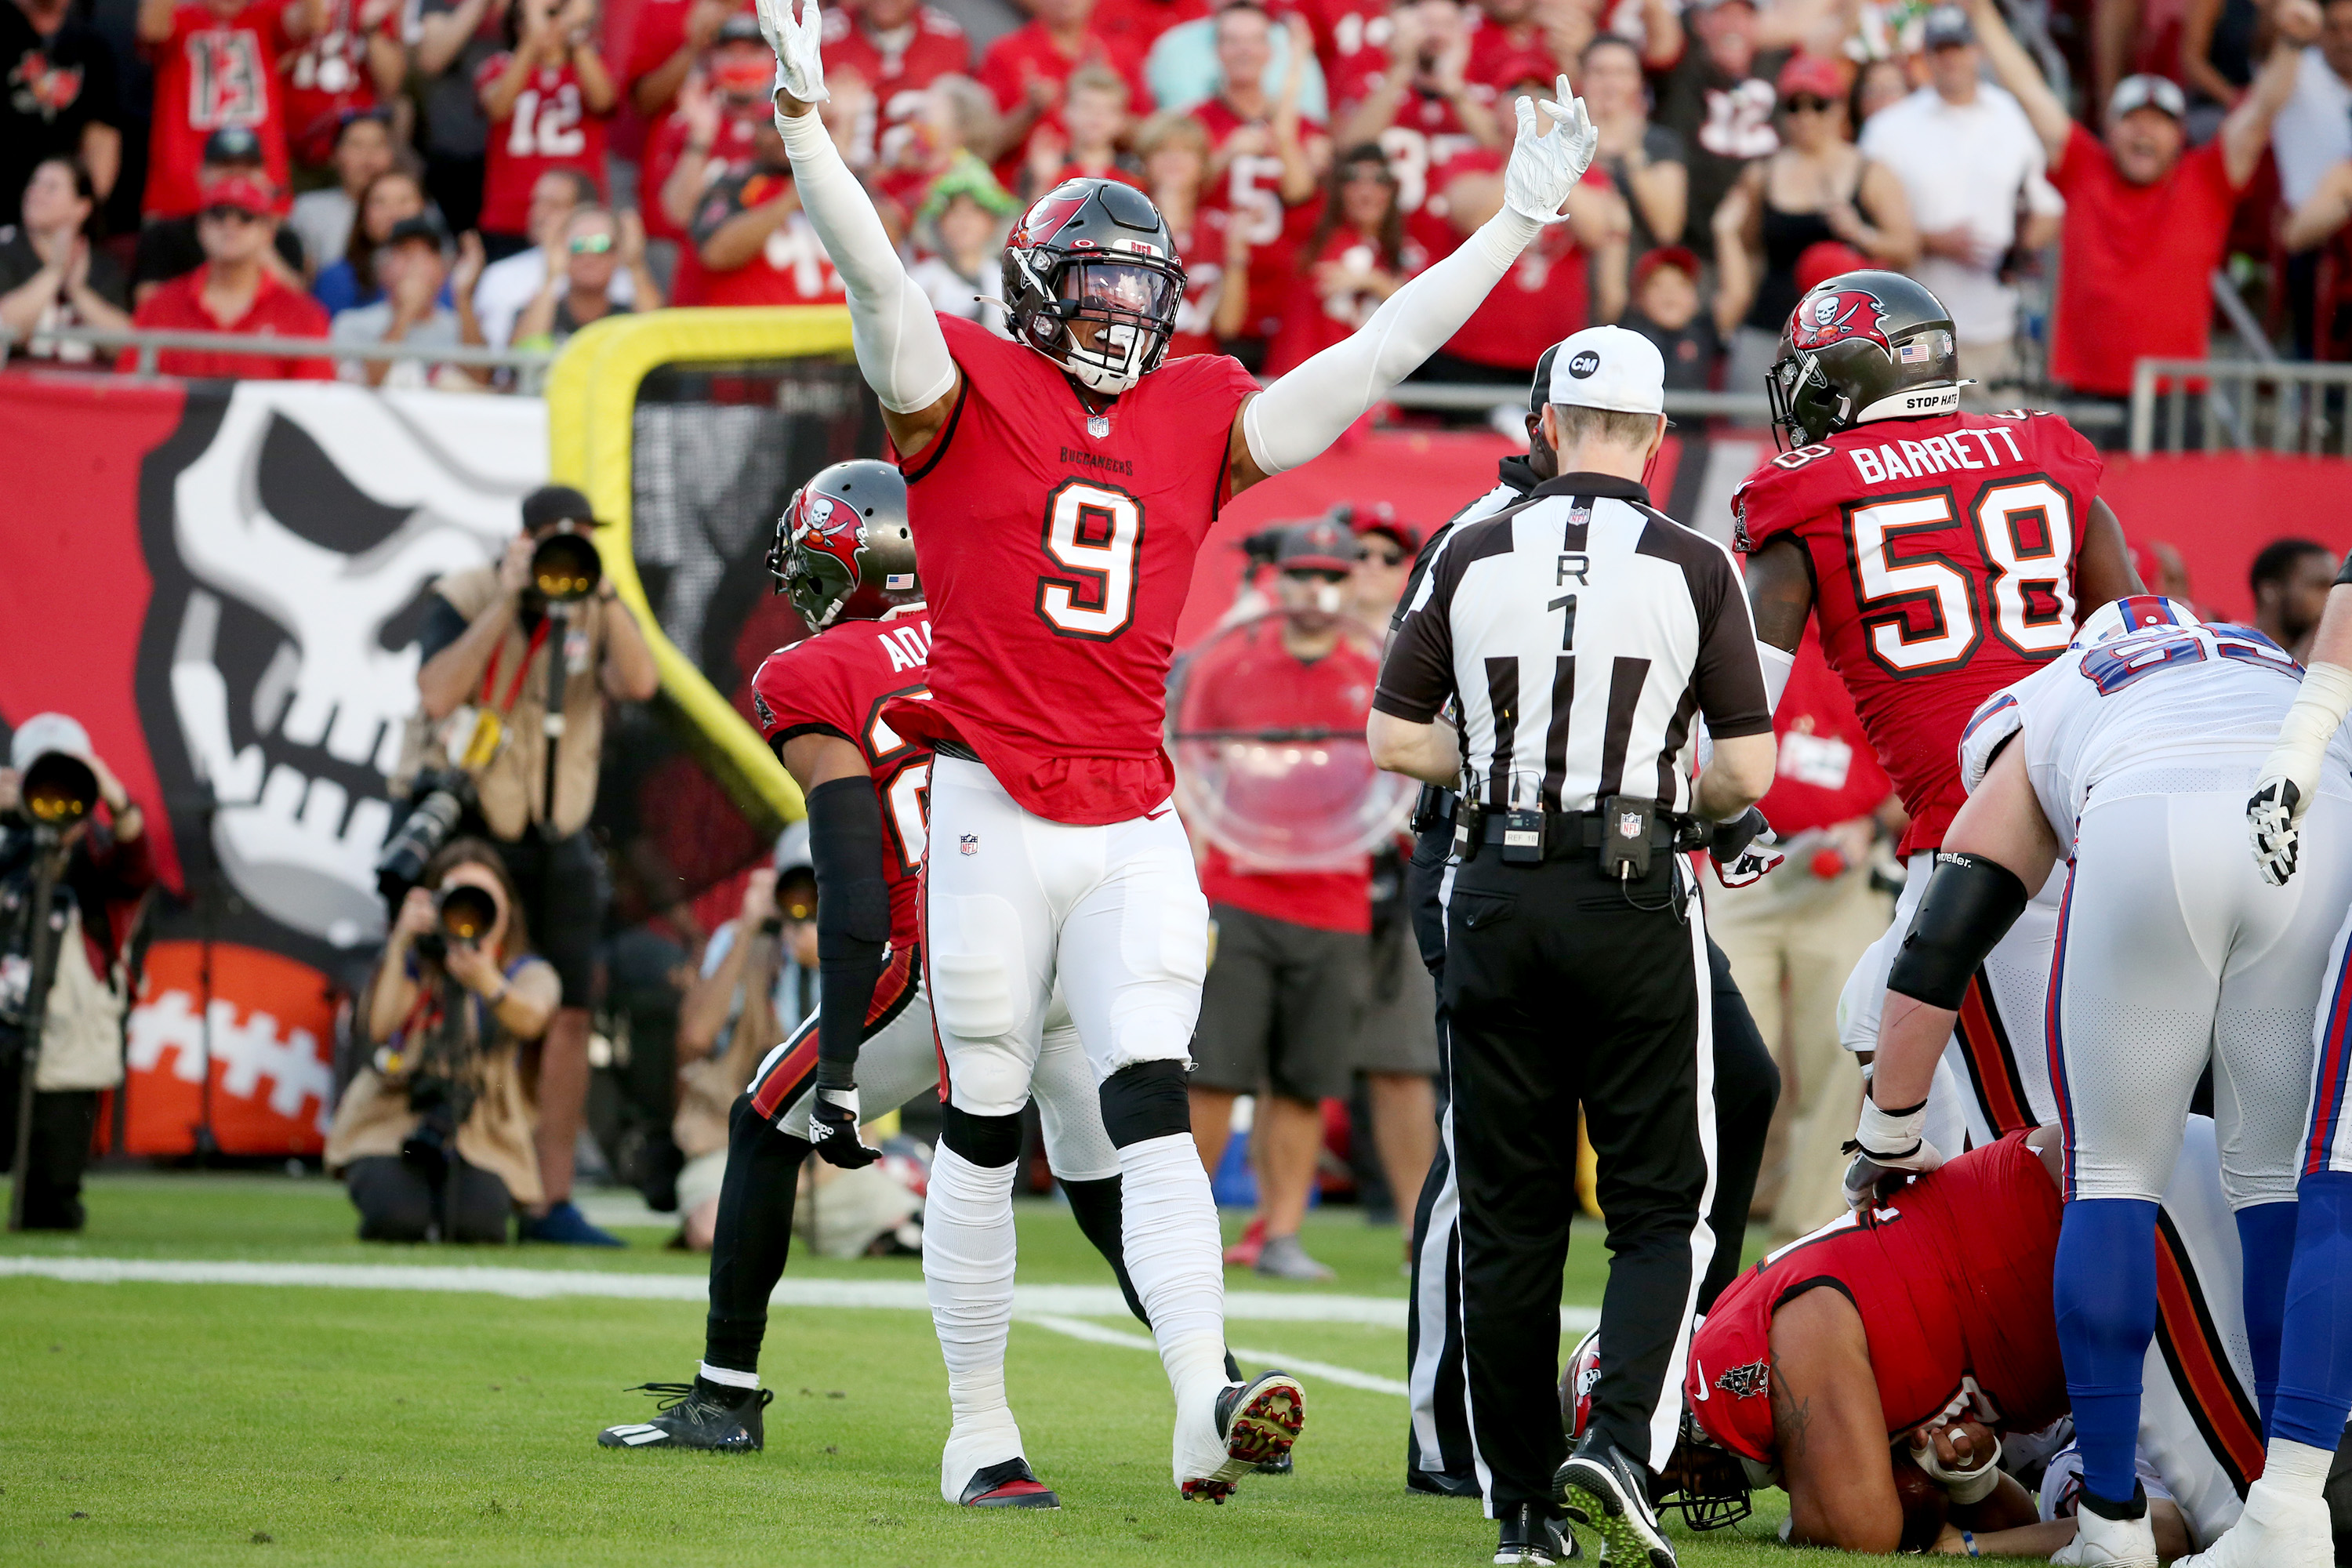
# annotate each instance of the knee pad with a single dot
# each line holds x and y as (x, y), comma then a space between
(1144, 1101)
(986, 1140)
(1969, 905)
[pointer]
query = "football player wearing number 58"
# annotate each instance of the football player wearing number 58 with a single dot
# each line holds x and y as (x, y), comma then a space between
(1946, 555)
(1060, 483)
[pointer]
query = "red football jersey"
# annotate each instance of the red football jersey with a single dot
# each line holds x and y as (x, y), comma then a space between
(1545, 295)
(1029, 53)
(934, 46)
(329, 78)
(1056, 550)
(1250, 189)
(549, 128)
(1201, 249)
(1943, 551)
(210, 74)
(1951, 1276)
(836, 683)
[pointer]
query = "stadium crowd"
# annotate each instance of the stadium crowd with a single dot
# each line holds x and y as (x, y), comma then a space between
(500, 172)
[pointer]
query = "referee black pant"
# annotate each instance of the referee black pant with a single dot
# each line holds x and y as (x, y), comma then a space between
(1563, 987)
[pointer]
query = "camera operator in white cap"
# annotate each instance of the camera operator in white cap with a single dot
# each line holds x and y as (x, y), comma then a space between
(106, 870)
(1582, 634)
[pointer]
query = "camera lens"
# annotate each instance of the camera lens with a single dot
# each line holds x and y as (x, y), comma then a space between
(58, 790)
(467, 912)
(565, 568)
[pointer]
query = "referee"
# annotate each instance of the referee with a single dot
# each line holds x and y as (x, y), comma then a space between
(1747, 1081)
(1579, 634)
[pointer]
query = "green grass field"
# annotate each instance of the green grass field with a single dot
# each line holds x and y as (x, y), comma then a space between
(254, 1425)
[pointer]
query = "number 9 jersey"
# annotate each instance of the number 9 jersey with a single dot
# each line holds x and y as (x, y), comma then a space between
(1055, 548)
(1943, 553)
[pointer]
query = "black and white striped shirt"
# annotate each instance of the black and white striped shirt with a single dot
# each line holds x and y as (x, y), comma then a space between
(1581, 632)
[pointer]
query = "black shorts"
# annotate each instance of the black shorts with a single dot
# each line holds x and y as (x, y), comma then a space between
(1281, 1008)
(564, 892)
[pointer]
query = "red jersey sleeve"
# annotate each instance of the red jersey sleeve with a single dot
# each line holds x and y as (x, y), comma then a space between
(798, 690)
(1777, 498)
(999, 72)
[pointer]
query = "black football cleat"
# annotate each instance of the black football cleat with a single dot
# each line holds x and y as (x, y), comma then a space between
(714, 1416)
(1259, 1421)
(1011, 1484)
(1609, 1494)
(1531, 1538)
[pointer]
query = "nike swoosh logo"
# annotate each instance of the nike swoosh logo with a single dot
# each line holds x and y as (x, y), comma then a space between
(1701, 1366)
(1156, 815)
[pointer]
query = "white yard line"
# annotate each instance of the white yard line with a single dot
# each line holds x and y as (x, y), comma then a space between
(1095, 1333)
(1056, 1307)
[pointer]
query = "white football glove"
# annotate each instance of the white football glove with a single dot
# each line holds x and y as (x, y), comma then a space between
(1544, 169)
(800, 69)
(2289, 780)
(1970, 1481)
(1885, 1145)
(1743, 849)
(833, 1130)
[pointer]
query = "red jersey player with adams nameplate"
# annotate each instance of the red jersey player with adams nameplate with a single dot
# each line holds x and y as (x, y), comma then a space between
(1945, 555)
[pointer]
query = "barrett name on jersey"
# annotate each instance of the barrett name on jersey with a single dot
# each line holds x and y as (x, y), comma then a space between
(1944, 554)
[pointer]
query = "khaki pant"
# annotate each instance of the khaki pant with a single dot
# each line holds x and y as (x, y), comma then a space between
(1792, 939)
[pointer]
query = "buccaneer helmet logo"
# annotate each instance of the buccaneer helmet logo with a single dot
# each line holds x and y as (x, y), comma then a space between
(1834, 318)
(827, 527)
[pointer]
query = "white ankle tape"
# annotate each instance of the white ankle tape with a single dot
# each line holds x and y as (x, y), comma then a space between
(727, 1375)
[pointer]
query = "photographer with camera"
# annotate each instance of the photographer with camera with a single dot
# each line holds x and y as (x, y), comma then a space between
(434, 1135)
(491, 642)
(96, 872)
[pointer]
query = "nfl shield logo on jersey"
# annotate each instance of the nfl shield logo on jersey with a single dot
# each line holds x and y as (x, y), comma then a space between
(968, 844)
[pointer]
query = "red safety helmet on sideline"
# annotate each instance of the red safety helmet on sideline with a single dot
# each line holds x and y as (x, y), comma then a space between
(1093, 250)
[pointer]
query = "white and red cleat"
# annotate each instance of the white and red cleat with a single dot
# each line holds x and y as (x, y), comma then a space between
(1259, 1420)
(1011, 1484)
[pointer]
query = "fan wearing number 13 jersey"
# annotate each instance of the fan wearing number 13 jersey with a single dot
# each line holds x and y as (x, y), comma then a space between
(1061, 481)
(1946, 555)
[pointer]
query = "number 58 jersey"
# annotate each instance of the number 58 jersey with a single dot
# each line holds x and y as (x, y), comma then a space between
(1943, 553)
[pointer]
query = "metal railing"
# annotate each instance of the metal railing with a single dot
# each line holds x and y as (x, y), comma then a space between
(528, 365)
(1460, 398)
(2285, 406)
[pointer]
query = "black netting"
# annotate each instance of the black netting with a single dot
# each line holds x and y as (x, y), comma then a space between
(715, 454)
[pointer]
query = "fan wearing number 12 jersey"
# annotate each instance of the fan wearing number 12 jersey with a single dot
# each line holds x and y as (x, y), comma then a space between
(1946, 555)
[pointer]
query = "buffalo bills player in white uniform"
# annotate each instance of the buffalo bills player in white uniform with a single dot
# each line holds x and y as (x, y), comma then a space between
(2129, 757)
(1060, 484)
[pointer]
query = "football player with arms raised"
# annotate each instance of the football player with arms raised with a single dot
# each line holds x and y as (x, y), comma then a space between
(1946, 555)
(1061, 483)
(845, 555)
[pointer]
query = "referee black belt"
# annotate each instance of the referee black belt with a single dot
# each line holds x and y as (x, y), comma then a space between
(1576, 833)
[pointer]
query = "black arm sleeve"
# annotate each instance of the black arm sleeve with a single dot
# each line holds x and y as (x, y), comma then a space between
(853, 918)
(443, 625)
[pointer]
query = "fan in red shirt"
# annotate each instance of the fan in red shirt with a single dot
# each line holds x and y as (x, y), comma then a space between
(1547, 293)
(2148, 218)
(216, 65)
(1134, 26)
(548, 99)
(1085, 144)
(709, 135)
(665, 41)
(752, 244)
(1355, 257)
(1028, 68)
(1262, 161)
(1214, 253)
(232, 293)
(1415, 99)
(899, 47)
(1507, 34)
(356, 61)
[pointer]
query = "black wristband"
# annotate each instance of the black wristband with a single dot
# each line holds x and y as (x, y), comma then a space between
(773, 926)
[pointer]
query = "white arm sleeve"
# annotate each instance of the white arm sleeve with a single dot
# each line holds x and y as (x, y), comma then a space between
(1778, 664)
(901, 348)
(1294, 419)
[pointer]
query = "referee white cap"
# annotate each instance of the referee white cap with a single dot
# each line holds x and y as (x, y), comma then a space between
(1611, 368)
